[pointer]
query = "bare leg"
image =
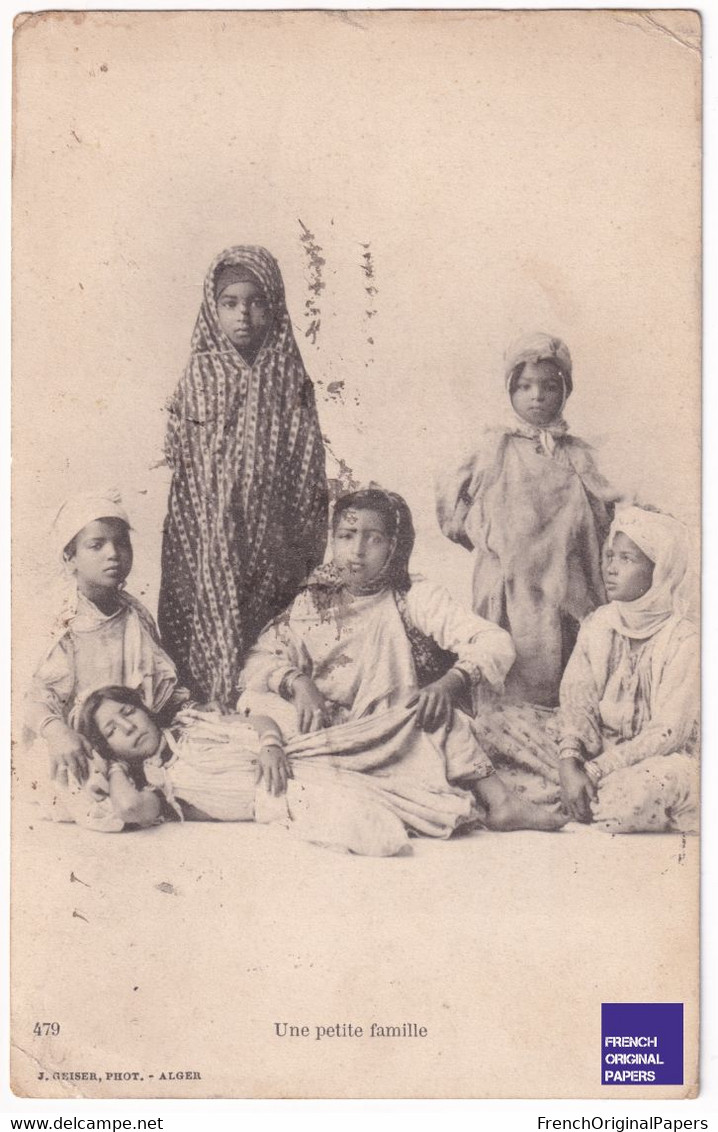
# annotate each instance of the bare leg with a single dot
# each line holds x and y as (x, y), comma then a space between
(506, 810)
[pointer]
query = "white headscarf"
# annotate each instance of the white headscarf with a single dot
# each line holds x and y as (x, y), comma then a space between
(77, 512)
(540, 347)
(665, 541)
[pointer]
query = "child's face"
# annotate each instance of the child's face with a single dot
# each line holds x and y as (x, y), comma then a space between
(361, 547)
(103, 556)
(627, 571)
(537, 395)
(128, 730)
(244, 315)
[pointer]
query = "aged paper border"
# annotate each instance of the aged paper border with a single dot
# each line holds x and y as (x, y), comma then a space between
(710, 1024)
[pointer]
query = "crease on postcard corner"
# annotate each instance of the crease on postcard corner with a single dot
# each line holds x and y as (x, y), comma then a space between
(685, 30)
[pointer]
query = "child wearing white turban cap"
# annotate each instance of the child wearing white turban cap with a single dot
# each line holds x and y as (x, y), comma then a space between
(102, 633)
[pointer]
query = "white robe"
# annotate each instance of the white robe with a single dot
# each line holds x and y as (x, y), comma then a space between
(633, 706)
(357, 652)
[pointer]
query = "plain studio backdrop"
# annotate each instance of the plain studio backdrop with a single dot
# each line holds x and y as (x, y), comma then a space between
(505, 172)
(499, 172)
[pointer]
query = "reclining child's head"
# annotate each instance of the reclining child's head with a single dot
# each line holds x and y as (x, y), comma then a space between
(118, 725)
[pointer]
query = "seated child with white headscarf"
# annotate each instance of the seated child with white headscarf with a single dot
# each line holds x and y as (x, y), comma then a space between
(630, 693)
(622, 750)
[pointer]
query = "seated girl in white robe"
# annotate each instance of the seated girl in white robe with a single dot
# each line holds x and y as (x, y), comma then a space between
(364, 643)
(622, 750)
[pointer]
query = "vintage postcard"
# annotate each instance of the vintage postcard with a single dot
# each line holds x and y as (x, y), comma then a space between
(356, 432)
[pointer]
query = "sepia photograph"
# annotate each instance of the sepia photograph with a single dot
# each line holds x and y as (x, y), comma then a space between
(356, 646)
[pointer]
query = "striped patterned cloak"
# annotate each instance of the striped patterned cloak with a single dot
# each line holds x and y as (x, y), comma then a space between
(247, 512)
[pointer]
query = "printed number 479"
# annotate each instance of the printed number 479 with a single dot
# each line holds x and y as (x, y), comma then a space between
(46, 1029)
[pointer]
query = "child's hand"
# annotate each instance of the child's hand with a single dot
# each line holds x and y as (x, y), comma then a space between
(577, 790)
(274, 769)
(70, 752)
(133, 806)
(311, 706)
(435, 703)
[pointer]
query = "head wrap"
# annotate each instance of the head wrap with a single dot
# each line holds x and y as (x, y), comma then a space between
(540, 347)
(395, 512)
(230, 273)
(665, 541)
(77, 512)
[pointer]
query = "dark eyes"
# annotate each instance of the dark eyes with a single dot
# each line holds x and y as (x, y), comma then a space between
(98, 544)
(552, 387)
(372, 539)
(256, 304)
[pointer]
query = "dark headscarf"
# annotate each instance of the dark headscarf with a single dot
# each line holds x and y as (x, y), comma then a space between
(230, 273)
(399, 528)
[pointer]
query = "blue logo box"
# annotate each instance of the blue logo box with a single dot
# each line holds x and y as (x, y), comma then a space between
(642, 1043)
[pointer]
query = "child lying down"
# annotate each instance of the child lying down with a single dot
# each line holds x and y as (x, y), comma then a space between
(211, 767)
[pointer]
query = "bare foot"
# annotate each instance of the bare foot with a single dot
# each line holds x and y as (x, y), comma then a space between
(514, 813)
(506, 810)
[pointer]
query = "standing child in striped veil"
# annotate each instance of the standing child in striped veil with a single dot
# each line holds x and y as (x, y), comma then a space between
(246, 519)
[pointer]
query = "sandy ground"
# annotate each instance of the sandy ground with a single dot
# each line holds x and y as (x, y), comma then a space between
(177, 949)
